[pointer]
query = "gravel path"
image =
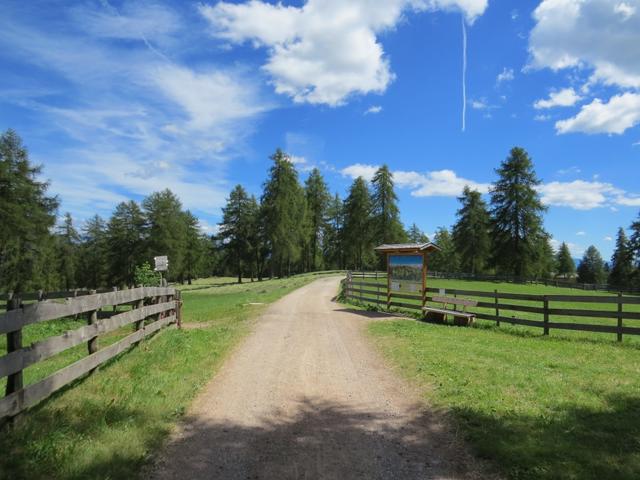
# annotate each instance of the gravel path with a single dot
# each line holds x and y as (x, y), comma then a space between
(307, 396)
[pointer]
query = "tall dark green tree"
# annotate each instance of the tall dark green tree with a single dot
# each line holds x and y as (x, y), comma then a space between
(546, 265)
(194, 251)
(516, 212)
(635, 247)
(166, 230)
(235, 229)
(67, 252)
(471, 232)
(358, 231)
(386, 224)
(27, 214)
(125, 242)
(621, 274)
(333, 245)
(446, 258)
(415, 235)
(93, 257)
(318, 197)
(284, 208)
(591, 268)
(565, 266)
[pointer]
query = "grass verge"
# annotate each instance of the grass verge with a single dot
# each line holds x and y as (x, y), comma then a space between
(537, 408)
(110, 423)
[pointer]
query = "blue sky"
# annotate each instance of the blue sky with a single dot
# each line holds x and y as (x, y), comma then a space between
(118, 99)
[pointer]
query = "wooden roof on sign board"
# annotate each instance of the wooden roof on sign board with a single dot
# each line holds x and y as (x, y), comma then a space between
(407, 247)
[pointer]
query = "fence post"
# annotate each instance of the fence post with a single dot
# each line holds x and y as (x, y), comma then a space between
(115, 307)
(92, 344)
(495, 297)
(179, 308)
(361, 281)
(619, 316)
(14, 342)
(75, 294)
(546, 315)
(140, 304)
(377, 288)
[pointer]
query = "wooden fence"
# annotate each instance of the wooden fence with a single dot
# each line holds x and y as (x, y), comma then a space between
(367, 288)
(151, 309)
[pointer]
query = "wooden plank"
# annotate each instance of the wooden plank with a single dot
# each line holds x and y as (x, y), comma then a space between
(365, 284)
(38, 351)
(592, 299)
(546, 315)
(14, 344)
(406, 305)
(515, 321)
(406, 296)
(613, 314)
(367, 300)
(369, 292)
(48, 310)
(508, 306)
(455, 301)
(33, 394)
(456, 313)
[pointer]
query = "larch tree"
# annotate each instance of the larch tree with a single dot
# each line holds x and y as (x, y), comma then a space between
(415, 235)
(333, 245)
(67, 252)
(471, 232)
(317, 195)
(125, 240)
(621, 274)
(358, 236)
(446, 258)
(235, 229)
(93, 263)
(27, 214)
(386, 224)
(565, 266)
(591, 268)
(194, 247)
(516, 211)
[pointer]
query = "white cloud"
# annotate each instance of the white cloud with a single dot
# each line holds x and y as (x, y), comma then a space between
(569, 171)
(373, 110)
(608, 239)
(326, 50)
(602, 35)
(440, 183)
(505, 76)
(584, 195)
(619, 114)
(541, 117)
(566, 97)
(628, 201)
(360, 170)
(581, 233)
(479, 105)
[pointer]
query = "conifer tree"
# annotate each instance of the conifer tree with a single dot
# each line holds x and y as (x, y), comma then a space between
(358, 225)
(317, 195)
(516, 212)
(235, 229)
(415, 235)
(93, 258)
(471, 232)
(125, 242)
(565, 266)
(27, 214)
(283, 207)
(446, 258)
(332, 246)
(67, 246)
(621, 262)
(194, 248)
(592, 267)
(386, 224)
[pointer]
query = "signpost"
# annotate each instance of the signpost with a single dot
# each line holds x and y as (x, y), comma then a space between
(162, 265)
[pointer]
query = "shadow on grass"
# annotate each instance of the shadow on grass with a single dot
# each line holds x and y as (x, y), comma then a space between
(370, 313)
(320, 439)
(570, 443)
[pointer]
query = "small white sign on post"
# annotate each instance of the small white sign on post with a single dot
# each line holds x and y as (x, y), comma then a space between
(162, 263)
(442, 292)
(395, 286)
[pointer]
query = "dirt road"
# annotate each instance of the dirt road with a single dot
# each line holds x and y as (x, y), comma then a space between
(306, 396)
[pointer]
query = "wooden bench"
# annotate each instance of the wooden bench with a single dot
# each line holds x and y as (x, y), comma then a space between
(460, 317)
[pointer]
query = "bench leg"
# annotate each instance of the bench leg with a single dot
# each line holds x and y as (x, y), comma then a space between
(435, 317)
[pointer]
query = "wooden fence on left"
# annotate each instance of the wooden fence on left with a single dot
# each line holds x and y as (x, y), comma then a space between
(160, 306)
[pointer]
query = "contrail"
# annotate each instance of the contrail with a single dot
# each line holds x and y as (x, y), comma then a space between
(464, 73)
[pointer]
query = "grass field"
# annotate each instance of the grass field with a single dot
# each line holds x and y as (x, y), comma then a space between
(565, 406)
(110, 423)
(504, 287)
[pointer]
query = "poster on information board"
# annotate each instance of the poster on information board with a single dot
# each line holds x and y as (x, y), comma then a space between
(406, 273)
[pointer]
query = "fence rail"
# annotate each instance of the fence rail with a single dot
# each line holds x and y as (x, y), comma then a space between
(359, 286)
(152, 309)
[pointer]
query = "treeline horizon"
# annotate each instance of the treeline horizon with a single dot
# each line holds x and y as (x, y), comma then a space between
(292, 227)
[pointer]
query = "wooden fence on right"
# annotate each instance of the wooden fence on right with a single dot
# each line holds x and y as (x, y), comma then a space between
(371, 288)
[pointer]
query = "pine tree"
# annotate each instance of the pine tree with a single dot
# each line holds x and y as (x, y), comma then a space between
(415, 235)
(194, 247)
(165, 230)
(67, 247)
(387, 227)
(283, 207)
(357, 225)
(516, 212)
(235, 229)
(546, 264)
(565, 266)
(446, 258)
(471, 232)
(317, 195)
(26, 216)
(621, 262)
(332, 246)
(591, 269)
(125, 242)
(93, 258)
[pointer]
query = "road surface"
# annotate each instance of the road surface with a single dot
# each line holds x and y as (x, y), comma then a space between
(306, 396)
